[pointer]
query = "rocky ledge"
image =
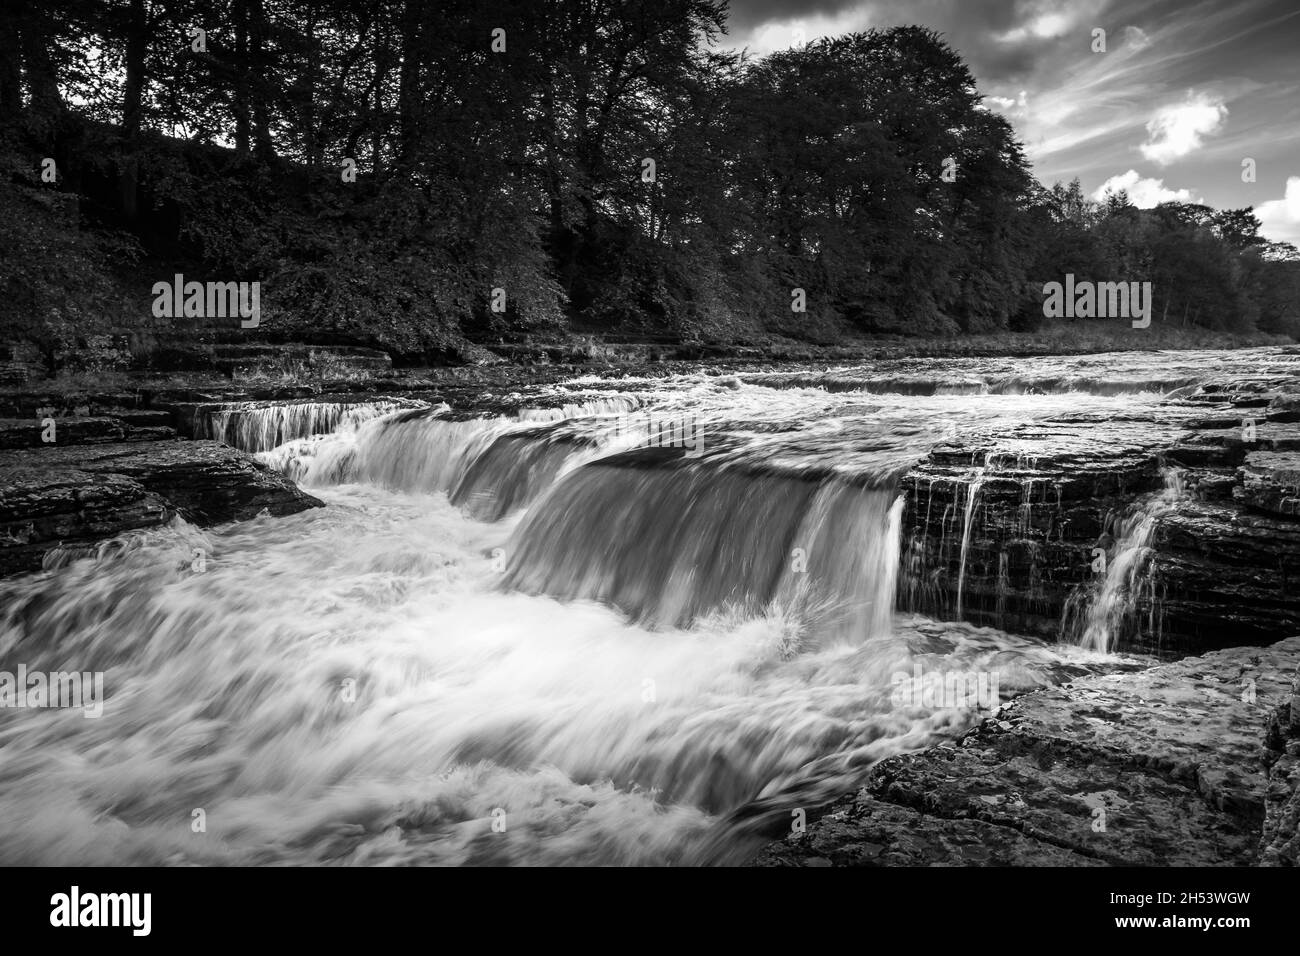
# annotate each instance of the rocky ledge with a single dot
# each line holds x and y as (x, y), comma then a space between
(1004, 528)
(77, 493)
(1190, 763)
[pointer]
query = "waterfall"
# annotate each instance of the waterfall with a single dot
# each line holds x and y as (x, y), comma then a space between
(261, 426)
(637, 655)
(346, 686)
(669, 541)
(488, 466)
(1126, 585)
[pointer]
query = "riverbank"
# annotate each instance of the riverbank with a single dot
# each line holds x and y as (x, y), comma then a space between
(256, 364)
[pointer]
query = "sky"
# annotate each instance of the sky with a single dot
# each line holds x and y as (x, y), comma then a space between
(1183, 94)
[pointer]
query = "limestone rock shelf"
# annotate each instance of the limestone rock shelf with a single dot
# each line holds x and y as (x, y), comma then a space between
(78, 494)
(1190, 763)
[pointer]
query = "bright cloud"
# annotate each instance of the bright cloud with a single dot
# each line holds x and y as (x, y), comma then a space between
(1049, 19)
(1177, 130)
(1280, 218)
(785, 34)
(1146, 193)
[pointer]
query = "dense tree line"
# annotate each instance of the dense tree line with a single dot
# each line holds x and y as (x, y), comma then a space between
(381, 166)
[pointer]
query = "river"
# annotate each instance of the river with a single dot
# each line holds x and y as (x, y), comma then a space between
(530, 639)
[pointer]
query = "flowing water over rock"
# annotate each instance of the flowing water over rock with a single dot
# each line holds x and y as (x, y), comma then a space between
(261, 426)
(1110, 608)
(534, 637)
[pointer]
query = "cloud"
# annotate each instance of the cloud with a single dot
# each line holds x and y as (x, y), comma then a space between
(1280, 218)
(1006, 102)
(1046, 25)
(1085, 114)
(1176, 130)
(784, 34)
(1003, 40)
(1145, 193)
(747, 15)
(1135, 38)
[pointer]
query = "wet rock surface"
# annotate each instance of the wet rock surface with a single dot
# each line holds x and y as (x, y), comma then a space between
(75, 494)
(33, 433)
(1168, 766)
(1270, 482)
(1224, 560)
(1280, 844)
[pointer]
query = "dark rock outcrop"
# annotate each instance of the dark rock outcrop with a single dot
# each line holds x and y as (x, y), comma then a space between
(137, 426)
(64, 495)
(1166, 766)
(1004, 529)
(1005, 539)
(1270, 482)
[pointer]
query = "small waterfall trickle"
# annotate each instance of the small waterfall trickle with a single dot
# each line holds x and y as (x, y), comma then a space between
(1102, 622)
(972, 497)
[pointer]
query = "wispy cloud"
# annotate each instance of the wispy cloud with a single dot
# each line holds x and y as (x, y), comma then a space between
(1184, 91)
(1136, 39)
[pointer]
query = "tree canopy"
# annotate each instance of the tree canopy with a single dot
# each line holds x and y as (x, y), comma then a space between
(383, 166)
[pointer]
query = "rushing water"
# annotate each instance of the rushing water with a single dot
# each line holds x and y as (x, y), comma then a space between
(261, 426)
(528, 638)
(1125, 574)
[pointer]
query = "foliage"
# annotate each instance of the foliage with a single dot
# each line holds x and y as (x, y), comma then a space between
(862, 169)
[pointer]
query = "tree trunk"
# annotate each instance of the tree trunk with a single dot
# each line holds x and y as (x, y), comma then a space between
(11, 90)
(243, 128)
(381, 73)
(137, 42)
(377, 131)
(311, 135)
(42, 80)
(263, 146)
(408, 97)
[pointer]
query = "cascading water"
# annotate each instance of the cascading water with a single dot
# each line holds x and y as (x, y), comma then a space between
(1127, 586)
(628, 655)
(669, 540)
(351, 685)
(972, 499)
(261, 426)
(490, 466)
